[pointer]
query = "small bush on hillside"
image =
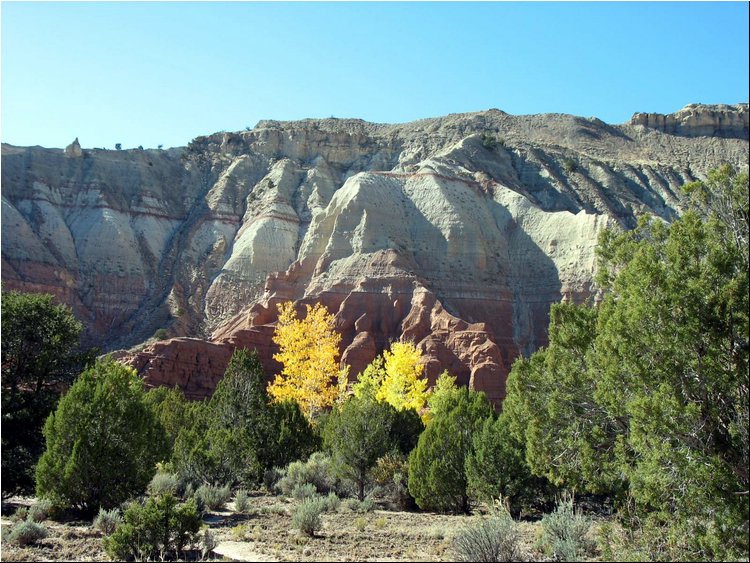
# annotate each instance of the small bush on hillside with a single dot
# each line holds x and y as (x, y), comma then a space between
(241, 501)
(493, 539)
(107, 521)
(570, 165)
(306, 517)
(214, 497)
(489, 142)
(40, 511)
(163, 483)
(25, 533)
(160, 528)
(564, 532)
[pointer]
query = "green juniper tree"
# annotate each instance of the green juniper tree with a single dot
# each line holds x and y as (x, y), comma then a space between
(41, 356)
(357, 433)
(437, 474)
(102, 441)
(648, 395)
(239, 433)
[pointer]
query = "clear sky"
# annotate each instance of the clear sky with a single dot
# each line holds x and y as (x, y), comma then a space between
(148, 73)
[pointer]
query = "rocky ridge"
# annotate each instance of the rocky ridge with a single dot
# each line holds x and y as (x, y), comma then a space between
(455, 232)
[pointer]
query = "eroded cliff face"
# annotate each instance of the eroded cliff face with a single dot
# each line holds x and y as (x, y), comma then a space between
(456, 233)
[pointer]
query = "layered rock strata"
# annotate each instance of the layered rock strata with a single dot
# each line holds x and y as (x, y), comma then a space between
(456, 233)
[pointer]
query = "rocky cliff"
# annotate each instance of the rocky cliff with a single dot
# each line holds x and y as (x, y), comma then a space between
(456, 232)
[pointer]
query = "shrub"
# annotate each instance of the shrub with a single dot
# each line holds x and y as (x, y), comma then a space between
(161, 334)
(163, 483)
(305, 491)
(214, 497)
(317, 470)
(40, 511)
(160, 528)
(21, 513)
(27, 532)
(107, 520)
(361, 507)
(306, 517)
(367, 505)
(564, 532)
(391, 472)
(241, 501)
(331, 502)
(208, 543)
(570, 165)
(271, 478)
(102, 441)
(489, 142)
(493, 539)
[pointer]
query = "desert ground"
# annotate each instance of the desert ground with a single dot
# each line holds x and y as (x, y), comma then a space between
(265, 533)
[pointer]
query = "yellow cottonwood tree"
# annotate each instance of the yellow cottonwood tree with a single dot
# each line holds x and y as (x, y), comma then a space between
(403, 386)
(308, 350)
(371, 380)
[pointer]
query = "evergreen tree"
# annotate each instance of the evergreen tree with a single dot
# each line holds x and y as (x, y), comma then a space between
(41, 355)
(357, 433)
(295, 438)
(649, 394)
(172, 411)
(496, 468)
(437, 475)
(239, 433)
(103, 441)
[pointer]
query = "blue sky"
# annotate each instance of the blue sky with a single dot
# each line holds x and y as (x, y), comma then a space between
(147, 73)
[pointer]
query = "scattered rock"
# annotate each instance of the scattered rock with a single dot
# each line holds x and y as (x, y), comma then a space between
(73, 150)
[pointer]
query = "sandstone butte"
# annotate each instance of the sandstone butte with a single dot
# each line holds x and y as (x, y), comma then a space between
(456, 233)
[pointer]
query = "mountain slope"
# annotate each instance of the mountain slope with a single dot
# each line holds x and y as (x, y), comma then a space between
(455, 232)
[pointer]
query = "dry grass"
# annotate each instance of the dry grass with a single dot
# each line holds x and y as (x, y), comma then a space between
(266, 533)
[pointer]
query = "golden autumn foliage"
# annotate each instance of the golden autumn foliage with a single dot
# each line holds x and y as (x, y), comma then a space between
(395, 378)
(369, 381)
(308, 350)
